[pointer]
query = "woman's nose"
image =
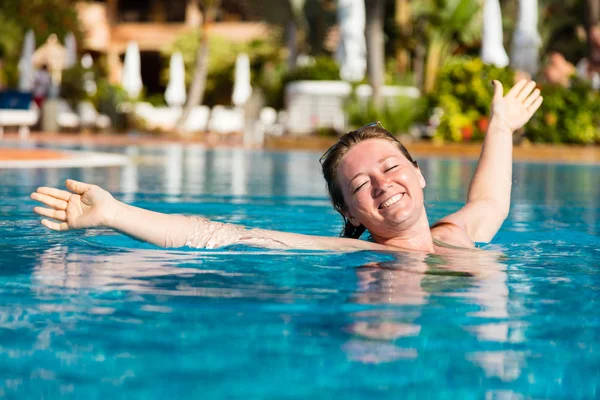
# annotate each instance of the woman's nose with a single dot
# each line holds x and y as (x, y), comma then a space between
(380, 185)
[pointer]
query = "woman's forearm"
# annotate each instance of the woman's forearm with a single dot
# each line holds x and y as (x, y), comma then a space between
(492, 180)
(164, 230)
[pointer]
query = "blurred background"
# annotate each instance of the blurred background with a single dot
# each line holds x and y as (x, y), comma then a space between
(256, 69)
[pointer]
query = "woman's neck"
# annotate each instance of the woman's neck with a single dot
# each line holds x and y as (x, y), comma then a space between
(417, 237)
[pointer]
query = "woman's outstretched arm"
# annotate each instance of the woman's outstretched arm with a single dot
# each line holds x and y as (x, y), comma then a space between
(90, 206)
(488, 198)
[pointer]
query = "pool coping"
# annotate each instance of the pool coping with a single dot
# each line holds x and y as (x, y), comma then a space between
(524, 152)
(25, 158)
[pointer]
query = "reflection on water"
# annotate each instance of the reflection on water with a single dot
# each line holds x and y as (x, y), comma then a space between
(412, 279)
(95, 313)
(396, 292)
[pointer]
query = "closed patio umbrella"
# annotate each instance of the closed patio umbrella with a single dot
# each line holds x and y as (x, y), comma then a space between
(492, 47)
(351, 53)
(175, 93)
(241, 84)
(526, 38)
(131, 80)
(26, 73)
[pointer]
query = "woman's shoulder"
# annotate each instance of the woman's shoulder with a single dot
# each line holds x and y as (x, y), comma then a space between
(447, 233)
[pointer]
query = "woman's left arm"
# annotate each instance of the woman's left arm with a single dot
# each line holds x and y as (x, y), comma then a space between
(488, 198)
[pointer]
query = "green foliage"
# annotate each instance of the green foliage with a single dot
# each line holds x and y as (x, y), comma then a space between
(271, 82)
(72, 85)
(11, 36)
(568, 115)
(221, 66)
(394, 78)
(156, 99)
(457, 19)
(561, 21)
(464, 93)
(445, 26)
(397, 115)
(323, 68)
(107, 100)
(44, 17)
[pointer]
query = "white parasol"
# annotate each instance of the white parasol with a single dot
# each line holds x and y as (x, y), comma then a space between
(241, 84)
(352, 49)
(492, 47)
(526, 39)
(26, 73)
(131, 80)
(175, 93)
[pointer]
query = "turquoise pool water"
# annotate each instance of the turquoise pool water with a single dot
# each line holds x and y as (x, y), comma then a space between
(98, 315)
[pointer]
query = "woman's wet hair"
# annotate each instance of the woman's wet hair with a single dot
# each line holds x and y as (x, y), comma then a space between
(331, 160)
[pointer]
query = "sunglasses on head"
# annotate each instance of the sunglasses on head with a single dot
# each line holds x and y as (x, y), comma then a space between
(370, 125)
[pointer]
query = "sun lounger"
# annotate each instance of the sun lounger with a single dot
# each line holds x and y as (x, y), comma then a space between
(226, 120)
(90, 118)
(66, 118)
(17, 109)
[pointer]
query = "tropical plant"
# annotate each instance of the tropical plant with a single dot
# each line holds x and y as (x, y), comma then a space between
(569, 115)
(396, 115)
(72, 85)
(375, 15)
(562, 21)
(320, 69)
(445, 25)
(464, 94)
(198, 86)
(44, 17)
(108, 99)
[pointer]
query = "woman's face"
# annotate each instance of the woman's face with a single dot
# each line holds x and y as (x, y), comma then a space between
(382, 189)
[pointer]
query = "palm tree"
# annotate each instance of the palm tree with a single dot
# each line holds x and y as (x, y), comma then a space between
(198, 86)
(593, 17)
(443, 25)
(404, 26)
(375, 14)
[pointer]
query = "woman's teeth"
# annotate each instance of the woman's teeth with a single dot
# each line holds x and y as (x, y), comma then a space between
(391, 201)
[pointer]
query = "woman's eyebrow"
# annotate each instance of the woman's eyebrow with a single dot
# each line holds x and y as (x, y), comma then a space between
(385, 158)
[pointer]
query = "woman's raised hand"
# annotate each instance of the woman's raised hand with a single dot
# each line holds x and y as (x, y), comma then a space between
(83, 206)
(516, 108)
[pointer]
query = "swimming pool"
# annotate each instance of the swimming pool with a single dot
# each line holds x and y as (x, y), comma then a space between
(98, 315)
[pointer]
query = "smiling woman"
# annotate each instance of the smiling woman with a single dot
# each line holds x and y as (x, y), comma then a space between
(373, 182)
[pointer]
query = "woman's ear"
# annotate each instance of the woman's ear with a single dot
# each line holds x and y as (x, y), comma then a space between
(422, 181)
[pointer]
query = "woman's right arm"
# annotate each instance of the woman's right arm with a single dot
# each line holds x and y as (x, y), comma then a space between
(89, 206)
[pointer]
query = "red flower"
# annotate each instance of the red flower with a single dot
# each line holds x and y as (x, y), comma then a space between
(467, 132)
(482, 124)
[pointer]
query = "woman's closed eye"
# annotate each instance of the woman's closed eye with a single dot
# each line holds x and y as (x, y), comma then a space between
(359, 187)
(390, 168)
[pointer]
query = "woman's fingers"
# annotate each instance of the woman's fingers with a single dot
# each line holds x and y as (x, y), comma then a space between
(59, 194)
(526, 91)
(536, 104)
(55, 226)
(50, 201)
(58, 215)
(532, 98)
(515, 90)
(76, 186)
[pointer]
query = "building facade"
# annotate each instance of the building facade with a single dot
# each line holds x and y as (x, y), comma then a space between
(154, 24)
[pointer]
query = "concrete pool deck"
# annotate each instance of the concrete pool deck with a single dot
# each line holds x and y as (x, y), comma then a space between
(14, 155)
